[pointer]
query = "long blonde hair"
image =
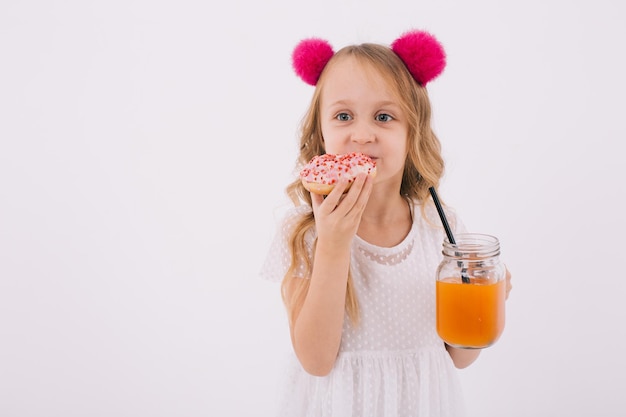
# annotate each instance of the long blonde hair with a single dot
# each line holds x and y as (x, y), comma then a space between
(423, 167)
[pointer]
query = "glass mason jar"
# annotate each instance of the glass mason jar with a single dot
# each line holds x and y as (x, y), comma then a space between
(471, 291)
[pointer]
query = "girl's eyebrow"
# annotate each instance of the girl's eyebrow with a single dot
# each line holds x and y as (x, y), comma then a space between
(341, 103)
(388, 103)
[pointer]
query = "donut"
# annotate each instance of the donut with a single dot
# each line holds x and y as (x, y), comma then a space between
(322, 172)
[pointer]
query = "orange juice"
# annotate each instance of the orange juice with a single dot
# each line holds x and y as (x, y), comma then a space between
(470, 315)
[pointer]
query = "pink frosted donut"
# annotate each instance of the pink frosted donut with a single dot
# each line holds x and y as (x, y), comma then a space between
(323, 172)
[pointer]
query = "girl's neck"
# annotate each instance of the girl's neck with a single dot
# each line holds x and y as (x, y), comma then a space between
(386, 221)
(384, 208)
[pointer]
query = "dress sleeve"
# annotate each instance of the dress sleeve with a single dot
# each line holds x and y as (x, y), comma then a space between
(278, 258)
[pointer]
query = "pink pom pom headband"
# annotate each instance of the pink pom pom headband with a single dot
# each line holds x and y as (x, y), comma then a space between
(422, 54)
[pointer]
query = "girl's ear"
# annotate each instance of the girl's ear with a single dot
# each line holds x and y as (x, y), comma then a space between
(422, 54)
(310, 57)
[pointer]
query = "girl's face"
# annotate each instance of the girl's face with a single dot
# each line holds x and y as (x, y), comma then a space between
(359, 113)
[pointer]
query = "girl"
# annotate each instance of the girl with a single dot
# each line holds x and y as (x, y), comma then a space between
(358, 268)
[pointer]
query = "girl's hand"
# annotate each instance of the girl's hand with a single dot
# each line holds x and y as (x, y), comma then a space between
(508, 282)
(338, 215)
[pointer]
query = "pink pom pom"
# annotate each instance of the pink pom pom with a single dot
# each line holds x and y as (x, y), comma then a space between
(422, 54)
(310, 57)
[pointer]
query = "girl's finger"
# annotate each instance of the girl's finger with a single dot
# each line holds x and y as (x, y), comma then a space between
(332, 200)
(353, 193)
(316, 200)
(364, 191)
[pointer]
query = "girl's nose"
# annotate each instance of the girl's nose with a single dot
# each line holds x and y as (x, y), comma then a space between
(362, 134)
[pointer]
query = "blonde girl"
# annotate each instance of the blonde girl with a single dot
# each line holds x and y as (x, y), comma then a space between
(357, 268)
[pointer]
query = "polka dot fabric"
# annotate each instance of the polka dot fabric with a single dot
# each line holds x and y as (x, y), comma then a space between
(393, 363)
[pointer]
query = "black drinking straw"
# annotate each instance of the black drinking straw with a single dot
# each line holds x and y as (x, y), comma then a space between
(446, 226)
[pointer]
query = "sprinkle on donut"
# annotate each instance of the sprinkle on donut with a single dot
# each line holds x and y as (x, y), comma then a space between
(323, 172)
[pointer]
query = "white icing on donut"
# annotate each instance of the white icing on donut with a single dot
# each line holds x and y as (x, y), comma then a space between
(327, 169)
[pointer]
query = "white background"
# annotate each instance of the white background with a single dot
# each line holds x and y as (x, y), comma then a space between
(130, 246)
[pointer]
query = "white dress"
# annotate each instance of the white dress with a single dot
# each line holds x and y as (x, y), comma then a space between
(393, 363)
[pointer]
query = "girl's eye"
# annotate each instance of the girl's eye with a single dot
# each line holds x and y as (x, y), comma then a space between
(344, 117)
(383, 117)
